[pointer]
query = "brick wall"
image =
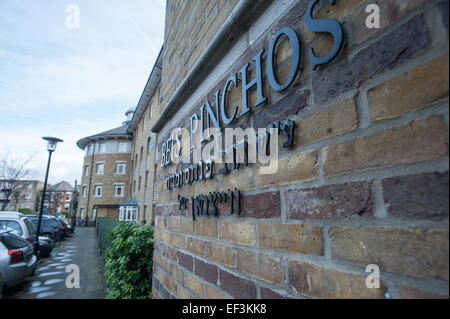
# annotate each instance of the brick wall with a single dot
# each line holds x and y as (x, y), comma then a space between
(366, 181)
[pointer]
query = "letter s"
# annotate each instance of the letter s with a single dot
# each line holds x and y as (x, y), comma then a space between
(323, 25)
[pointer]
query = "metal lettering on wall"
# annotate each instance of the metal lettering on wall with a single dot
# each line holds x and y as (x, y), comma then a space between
(218, 115)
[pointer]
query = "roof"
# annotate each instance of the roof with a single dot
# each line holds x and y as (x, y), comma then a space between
(118, 132)
(130, 202)
(61, 187)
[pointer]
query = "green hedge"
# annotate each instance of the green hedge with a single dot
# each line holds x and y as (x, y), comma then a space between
(104, 229)
(129, 262)
(27, 211)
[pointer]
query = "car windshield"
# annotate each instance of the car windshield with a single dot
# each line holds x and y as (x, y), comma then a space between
(11, 225)
(12, 242)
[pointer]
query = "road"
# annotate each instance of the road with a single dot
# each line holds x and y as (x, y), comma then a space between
(49, 281)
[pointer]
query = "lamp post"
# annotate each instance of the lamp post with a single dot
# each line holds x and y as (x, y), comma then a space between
(51, 146)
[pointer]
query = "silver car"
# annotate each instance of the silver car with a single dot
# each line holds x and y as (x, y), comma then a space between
(18, 223)
(17, 260)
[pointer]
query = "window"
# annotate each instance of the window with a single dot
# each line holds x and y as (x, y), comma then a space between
(28, 196)
(82, 212)
(100, 168)
(121, 168)
(123, 147)
(102, 148)
(84, 191)
(30, 186)
(98, 191)
(86, 170)
(68, 196)
(11, 225)
(119, 190)
(128, 213)
(20, 186)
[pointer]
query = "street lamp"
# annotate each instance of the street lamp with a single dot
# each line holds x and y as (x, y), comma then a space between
(51, 146)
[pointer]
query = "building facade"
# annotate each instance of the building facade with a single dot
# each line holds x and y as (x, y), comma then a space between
(360, 180)
(105, 177)
(24, 194)
(58, 198)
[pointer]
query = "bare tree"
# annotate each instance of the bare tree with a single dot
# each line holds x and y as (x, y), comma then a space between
(12, 170)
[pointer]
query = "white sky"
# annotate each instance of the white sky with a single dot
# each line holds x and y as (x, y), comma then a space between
(71, 82)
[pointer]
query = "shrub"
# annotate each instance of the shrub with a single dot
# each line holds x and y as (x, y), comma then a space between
(104, 229)
(129, 262)
(27, 211)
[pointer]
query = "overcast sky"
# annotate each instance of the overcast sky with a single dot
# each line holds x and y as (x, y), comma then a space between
(71, 82)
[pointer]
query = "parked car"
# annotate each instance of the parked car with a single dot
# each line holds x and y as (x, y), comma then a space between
(19, 223)
(17, 260)
(45, 246)
(49, 228)
(1, 284)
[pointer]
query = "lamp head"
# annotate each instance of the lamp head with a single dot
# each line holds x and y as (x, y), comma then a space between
(51, 142)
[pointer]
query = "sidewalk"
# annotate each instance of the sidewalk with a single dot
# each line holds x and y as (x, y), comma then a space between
(49, 280)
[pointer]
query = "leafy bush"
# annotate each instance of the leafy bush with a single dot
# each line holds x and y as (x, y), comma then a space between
(104, 229)
(129, 262)
(27, 211)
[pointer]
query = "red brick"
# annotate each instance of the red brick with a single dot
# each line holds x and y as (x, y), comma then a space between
(207, 271)
(186, 261)
(329, 202)
(264, 205)
(407, 292)
(237, 287)
(423, 196)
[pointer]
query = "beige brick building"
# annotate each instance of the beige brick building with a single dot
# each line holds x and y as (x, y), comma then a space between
(106, 174)
(26, 194)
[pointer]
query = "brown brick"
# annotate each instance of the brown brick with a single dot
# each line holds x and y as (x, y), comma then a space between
(206, 227)
(423, 196)
(178, 274)
(183, 293)
(407, 292)
(170, 284)
(408, 41)
(207, 271)
(333, 121)
(164, 263)
(297, 168)
(194, 284)
(405, 93)
(220, 253)
(297, 239)
(178, 241)
(320, 282)
(186, 261)
(417, 141)
(415, 252)
(329, 202)
(242, 233)
(262, 266)
(186, 225)
(237, 287)
(264, 205)
(241, 179)
(196, 246)
(172, 223)
(160, 222)
(212, 293)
